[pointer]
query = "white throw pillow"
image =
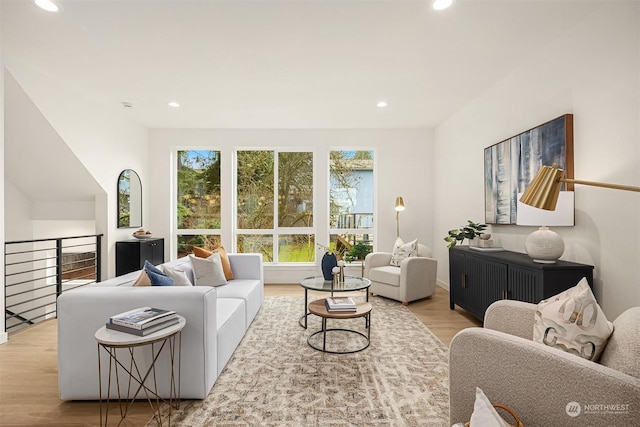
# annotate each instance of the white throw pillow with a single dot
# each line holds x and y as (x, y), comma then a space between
(403, 250)
(573, 321)
(484, 414)
(208, 271)
(179, 277)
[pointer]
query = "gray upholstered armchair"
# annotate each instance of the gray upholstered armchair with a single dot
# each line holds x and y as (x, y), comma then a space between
(543, 385)
(414, 279)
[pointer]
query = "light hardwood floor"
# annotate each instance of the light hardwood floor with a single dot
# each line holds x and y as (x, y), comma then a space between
(29, 377)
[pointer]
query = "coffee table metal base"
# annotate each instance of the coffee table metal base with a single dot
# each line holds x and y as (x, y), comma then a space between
(318, 308)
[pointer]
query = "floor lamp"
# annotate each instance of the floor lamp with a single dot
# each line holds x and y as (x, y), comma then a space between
(399, 208)
(543, 193)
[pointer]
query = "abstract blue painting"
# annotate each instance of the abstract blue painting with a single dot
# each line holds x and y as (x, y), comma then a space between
(510, 165)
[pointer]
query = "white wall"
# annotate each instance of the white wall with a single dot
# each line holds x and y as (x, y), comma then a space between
(17, 214)
(591, 71)
(404, 164)
(105, 141)
(3, 333)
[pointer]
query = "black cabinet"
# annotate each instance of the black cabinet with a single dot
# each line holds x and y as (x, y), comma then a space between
(131, 254)
(477, 279)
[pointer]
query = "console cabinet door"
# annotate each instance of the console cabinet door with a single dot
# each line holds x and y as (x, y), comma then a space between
(487, 281)
(131, 254)
(457, 279)
(524, 285)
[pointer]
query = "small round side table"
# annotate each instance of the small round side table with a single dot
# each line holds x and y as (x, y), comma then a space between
(111, 341)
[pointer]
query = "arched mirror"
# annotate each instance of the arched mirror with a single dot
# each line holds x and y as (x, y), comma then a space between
(129, 199)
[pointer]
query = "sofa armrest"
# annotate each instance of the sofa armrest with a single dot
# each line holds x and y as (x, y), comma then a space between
(537, 382)
(247, 266)
(81, 312)
(511, 317)
(376, 259)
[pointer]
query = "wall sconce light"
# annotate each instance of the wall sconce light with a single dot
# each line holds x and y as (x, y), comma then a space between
(399, 208)
(543, 193)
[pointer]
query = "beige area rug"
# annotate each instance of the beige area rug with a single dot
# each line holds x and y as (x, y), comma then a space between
(275, 378)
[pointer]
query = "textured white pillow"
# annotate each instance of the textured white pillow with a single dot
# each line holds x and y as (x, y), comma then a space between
(208, 271)
(179, 277)
(403, 250)
(484, 414)
(573, 321)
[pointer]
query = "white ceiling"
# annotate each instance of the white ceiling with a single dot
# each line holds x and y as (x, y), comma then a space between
(282, 64)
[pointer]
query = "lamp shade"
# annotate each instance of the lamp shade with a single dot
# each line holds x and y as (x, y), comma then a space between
(543, 191)
(399, 204)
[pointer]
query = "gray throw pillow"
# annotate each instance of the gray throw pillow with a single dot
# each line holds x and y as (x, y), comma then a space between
(208, 271)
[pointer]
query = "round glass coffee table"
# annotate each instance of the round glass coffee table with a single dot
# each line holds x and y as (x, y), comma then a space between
(317, 283)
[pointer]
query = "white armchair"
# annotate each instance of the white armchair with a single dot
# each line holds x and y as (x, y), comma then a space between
(414, 279)
(545, 386)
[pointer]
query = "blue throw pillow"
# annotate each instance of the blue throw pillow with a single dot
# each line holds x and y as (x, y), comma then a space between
(156, 276)
(159, 279)
(150, 267)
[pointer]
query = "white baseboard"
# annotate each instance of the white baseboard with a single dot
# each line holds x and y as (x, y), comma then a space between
(442, 285)
(4, 337)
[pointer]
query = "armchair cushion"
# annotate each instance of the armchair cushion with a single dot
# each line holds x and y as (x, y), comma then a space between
(386, 274)
(402, 250)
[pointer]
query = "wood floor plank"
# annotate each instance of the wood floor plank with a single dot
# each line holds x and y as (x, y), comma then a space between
(29, 368)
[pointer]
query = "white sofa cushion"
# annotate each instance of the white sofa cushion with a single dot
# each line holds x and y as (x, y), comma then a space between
(230, 319)
(247, 290)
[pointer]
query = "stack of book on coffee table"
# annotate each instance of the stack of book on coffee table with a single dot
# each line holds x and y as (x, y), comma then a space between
(340, 304)
(142, 321)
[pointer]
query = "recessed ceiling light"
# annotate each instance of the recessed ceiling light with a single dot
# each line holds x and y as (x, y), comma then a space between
(47, 5)
(174, 104)
(127, 104)
(381, 104)
(442, 4)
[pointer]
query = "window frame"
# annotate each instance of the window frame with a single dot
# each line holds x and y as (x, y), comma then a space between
(277, 230)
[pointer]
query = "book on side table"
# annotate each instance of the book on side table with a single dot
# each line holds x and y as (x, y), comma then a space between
(142, 321)
(340, 304)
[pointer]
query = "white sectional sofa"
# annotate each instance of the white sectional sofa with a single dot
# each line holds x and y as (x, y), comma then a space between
(217, 319)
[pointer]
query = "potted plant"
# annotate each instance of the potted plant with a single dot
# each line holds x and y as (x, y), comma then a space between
(357, 252)
(469, 231)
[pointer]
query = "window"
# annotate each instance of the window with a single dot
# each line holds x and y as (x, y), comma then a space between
(275, 205)
(198, 200)
(350, 198)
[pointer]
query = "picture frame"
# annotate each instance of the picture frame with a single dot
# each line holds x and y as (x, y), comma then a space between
(510, 165)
